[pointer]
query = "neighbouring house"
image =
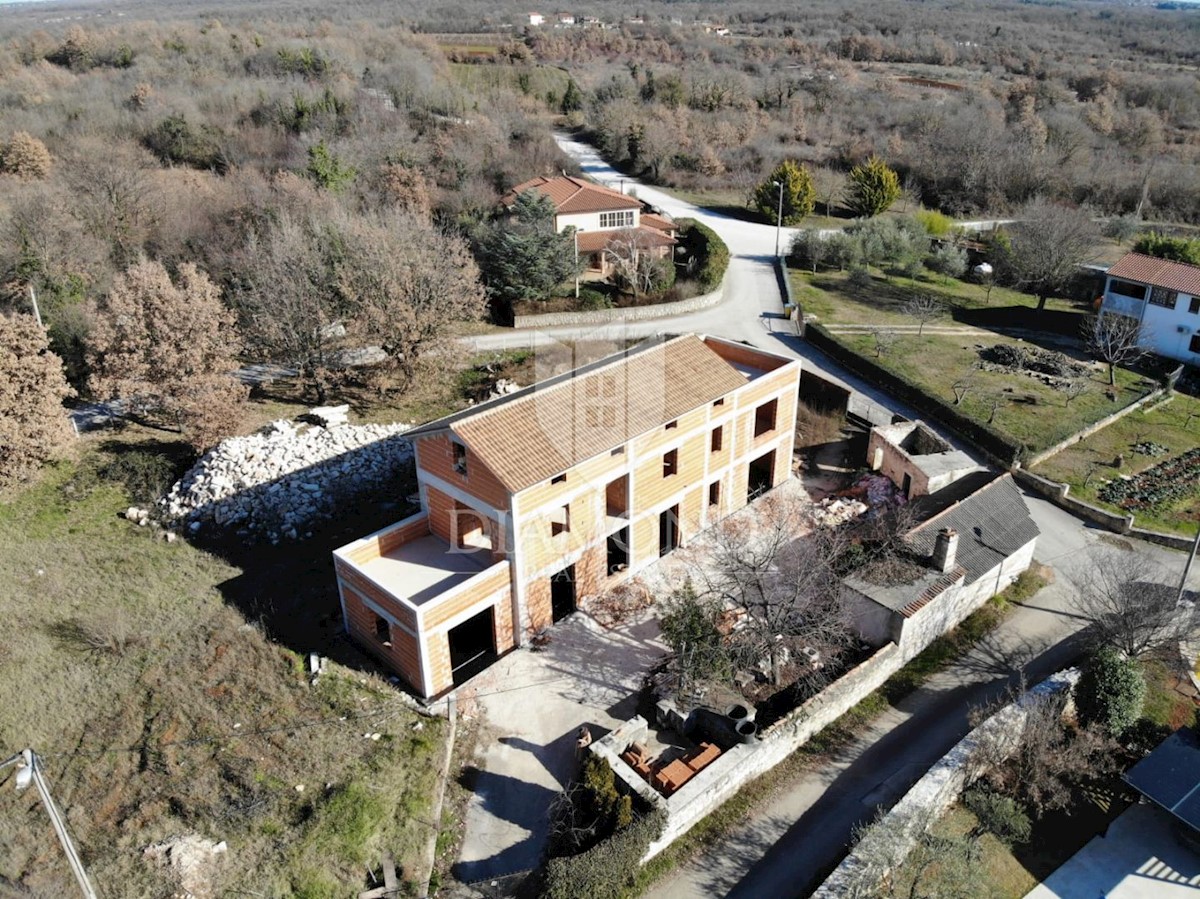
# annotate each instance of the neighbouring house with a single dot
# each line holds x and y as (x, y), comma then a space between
(534, 500)
(536, 19)
(606, 221)
(916, 459)
(974, 539)
(1164, 297)
(565, 18)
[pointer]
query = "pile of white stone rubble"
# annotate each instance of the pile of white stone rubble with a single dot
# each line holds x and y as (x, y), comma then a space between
(276, 484)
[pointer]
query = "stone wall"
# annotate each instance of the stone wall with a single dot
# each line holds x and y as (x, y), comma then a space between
(1094, 427)
(726, 776)
(628, 314)
(941, 786)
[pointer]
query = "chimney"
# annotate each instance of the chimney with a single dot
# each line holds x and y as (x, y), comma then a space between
(945, 549)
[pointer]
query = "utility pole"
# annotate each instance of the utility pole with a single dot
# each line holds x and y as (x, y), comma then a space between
(33, 299)
(29, 769)
(575, 234)
(779, 220)
(1187, 569)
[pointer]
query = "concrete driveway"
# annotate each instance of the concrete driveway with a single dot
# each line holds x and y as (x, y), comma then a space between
(1139, 858)
(531, 705)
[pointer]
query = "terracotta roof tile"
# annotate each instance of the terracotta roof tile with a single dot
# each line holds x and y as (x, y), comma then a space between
(542, 431)
(574, 195)
(595, 241)
(1160, 272)
(657, 222)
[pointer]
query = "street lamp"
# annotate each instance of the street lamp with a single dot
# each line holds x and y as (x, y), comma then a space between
(779, 220)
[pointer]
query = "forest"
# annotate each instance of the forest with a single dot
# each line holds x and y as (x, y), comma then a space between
(283, 155)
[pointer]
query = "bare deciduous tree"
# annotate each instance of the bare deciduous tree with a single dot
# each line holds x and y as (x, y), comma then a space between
(885, 339)
(287, 294)
(995, 402)
(168, 348)
(1049, 241)
(1115, 340)
(406, 283)
(1074, 389)
(634, 268)
(1125, 597)
(924, 308)
(963, 385)
(33, 424)
(787, 584)
(1043, 763)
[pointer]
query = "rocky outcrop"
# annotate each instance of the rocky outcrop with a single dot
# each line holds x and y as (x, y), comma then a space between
(276, 484)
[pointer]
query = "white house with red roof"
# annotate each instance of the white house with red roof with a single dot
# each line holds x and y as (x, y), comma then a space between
(1164, 297)
(605, 220)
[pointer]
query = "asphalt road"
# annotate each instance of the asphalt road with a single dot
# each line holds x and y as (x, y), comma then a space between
(789, 845)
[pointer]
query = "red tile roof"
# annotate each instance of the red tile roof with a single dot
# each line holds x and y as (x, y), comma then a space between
(647, 238)
(658, 222)
(1158, 272)
(574, 195)
(543, 430)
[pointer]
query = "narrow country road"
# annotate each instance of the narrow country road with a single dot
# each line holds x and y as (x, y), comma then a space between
(788, 845)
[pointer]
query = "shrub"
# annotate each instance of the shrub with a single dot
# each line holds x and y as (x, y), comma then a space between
(689, 627)
(590, 298)
(25, 156)
(1000, 815)
(145, 475)
(948, 260)
(874, 187)
(1122, 228)
(608, 869)
(707, 254)
(327, 170)
(798, 194)
(935, 223)
(1177, 249)
(1110, 691)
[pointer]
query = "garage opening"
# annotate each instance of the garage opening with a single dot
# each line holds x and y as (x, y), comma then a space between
(668, 530)
(562, 594)
(761, 477)
(618, 552)
(472, 646)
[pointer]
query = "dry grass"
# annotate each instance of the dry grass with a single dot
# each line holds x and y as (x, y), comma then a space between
(160, 710)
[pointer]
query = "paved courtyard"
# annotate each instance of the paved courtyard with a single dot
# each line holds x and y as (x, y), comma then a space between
(1139, 858)
(531, 705)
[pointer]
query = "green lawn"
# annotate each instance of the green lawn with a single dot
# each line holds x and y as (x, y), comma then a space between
(832, 300)
(1172, 423)
(1029, 411)
(161, 709)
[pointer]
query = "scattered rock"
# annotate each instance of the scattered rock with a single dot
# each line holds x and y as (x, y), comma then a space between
(276, 484)
(191, 858)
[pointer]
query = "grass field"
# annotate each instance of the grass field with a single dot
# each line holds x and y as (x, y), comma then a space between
(485, 79)
(1173, 424)
(160, 710)
(1028, 410)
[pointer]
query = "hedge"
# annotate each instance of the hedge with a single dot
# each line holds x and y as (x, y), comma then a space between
(997, 445)
(608, 869)
(703, 244)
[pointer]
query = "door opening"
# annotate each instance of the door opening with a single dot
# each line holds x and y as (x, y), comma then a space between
(618, 552)
(668, 530)
(562, 594)
(472, 646)
(761, 476)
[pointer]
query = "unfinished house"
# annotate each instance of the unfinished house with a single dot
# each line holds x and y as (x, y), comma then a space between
(916, 459)
(534, 500)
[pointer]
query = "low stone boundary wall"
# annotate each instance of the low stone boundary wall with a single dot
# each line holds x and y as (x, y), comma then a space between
(1094, 427)
(629, 314)
(724, 777)
(1060, 494)
(941, 786)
